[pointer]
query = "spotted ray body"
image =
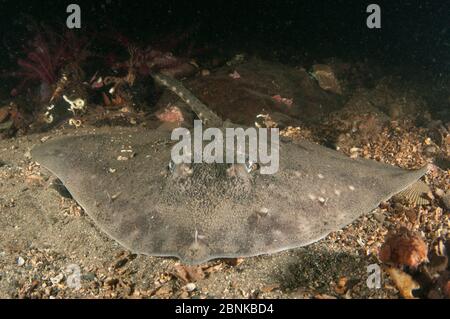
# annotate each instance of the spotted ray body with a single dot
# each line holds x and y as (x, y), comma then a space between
(209, 211)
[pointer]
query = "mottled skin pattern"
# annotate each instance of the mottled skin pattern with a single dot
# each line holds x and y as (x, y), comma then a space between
(205, 211)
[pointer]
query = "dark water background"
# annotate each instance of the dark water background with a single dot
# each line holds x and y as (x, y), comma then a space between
(413, 32)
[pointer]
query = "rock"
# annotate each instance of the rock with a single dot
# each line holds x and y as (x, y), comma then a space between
(404, 248)
(120, 263)
(235, 75)
(326, 78)
(57, 279)
(171, 114)
(379, 217)
(190, 287)
(90, 276)
(240, 101)
(20, 261)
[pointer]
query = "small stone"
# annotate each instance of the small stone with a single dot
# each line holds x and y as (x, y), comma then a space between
(57, 279)
(120, 263)
(235, 75)
(379, 217)
(90, 276)
(190, 287)
(20, 261)
(326, 78)
(404, 248)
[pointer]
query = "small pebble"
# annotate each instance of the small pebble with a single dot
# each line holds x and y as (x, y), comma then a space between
(190, 287)
(89, 276)
(379, 217)
(57, 279)
(20, 261)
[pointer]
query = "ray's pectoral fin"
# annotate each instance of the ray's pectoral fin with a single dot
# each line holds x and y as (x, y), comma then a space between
(121, 179)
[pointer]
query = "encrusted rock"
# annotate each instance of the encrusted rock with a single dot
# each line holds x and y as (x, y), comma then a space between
(326, 78)
(404, 248)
